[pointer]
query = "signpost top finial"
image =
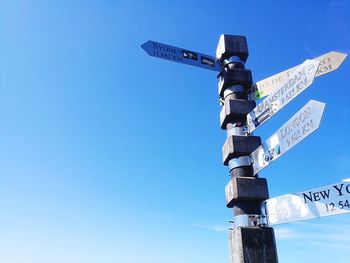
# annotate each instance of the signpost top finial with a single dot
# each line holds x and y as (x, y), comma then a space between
(230, 45)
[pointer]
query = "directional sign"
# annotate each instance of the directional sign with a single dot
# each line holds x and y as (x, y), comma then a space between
(180, 55)
(328, 63)
(333, 199)
(296, 83)
(296, 129)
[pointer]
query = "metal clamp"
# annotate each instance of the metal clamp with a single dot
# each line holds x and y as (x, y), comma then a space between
(237, 131)
(234, 88)
(239, 162)
(234, 59)
(250, 221)
(264, 212)
(232, 224)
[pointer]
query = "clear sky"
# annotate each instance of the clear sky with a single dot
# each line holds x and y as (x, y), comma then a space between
(110, 155)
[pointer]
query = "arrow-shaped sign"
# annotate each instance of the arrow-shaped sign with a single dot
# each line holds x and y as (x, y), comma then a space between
(333, 199)
(296, 129)
(328, 62)
(297, 82)
(180, 55)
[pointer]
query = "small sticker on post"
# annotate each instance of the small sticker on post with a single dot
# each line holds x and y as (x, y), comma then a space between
(208, 61)
(189, 55)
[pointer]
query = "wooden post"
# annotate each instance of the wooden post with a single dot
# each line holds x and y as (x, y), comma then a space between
(250, 240)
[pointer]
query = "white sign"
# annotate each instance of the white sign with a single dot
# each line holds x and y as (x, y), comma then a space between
(328, 62)
(333, 199)
(297, 82)
(296, 129)
(180, 55)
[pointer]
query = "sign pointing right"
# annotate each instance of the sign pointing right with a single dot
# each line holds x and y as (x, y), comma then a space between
(302, 124)
(333, 199)
(297, 82)
(328, 62)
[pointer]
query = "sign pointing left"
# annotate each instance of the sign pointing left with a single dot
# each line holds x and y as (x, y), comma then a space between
(180, 55)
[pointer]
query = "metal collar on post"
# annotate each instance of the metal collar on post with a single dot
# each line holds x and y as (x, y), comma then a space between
(234, 88)
(250, 221)
(237, 131)
(239, 162)
(233, 59)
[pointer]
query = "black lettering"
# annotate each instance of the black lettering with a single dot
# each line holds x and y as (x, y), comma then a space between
(325, 193)
(348, 189)
(325, 60)
(285, 132)
(307, 127)
(301, 85)
(323, 70)
(330, 207)
(319, 71)
(296, 122)
(309, 197)
(316, 196)
(329, 68)
(339, 189)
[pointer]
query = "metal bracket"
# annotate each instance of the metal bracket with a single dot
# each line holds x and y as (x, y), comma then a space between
(236, 131)
(234, 88)
(229, 90)
(250, 124)
(246, 130)
(239, 162)
(253, 89)
(264, 213)
(250, 221)
(232, 224)
(233, 59)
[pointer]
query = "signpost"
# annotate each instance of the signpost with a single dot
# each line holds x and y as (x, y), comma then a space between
(296, 129)
(328, 62)
(297, 82)
(333, 199)
(180, 55)
(251, 240)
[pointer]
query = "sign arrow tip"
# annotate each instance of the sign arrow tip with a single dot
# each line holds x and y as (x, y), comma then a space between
(145, 45)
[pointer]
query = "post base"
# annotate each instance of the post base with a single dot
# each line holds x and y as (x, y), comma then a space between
(252, 245)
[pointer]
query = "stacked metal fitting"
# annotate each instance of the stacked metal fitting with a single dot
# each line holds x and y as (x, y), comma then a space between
(250, 239)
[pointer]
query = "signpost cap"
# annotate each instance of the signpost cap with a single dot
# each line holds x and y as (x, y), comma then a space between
(230, 45)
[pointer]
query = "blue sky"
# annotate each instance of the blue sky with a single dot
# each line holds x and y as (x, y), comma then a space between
(109, 155)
